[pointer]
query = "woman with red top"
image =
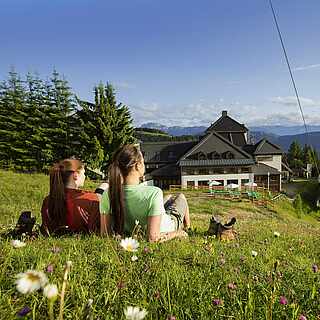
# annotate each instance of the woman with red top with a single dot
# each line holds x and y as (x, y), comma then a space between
(67, 209)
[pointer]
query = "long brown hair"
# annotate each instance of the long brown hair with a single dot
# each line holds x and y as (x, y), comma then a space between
(59, 177)
(124, 159)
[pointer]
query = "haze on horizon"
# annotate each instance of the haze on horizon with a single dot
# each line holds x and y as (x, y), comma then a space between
(173, 62)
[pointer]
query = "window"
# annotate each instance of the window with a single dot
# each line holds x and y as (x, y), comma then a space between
(231, 170)
(244, 181)
(228, 155)
(232, 181)
(202, 156)
(218, 171)
(190, 183)
(157, 156)
(264, 158)
(214, 155)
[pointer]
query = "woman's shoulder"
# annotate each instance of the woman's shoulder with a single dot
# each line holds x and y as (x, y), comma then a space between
(83, 194)
(151, 190)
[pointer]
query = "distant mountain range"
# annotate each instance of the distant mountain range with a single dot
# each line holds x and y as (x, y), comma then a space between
(281, 135)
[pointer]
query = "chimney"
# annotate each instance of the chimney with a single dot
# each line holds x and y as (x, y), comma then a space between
(224, 113)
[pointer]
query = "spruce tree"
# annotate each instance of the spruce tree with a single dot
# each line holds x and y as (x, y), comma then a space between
(295, 155)
(105, 126)
(62, 107)
(13, 150)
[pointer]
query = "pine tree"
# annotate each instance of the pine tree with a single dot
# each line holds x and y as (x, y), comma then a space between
(12, 119)
(295, 155)
(105, 125)
(38, 137)
(62, 107)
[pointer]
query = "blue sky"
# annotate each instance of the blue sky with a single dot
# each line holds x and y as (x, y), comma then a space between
(173, 62)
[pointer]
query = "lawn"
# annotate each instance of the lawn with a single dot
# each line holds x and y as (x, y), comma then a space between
(194, 278)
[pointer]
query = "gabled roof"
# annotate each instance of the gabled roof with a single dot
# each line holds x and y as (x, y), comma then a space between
(223, 140)
(169, 151)
(169, 170)
(261, 169)
(265, 147)
(227, 124)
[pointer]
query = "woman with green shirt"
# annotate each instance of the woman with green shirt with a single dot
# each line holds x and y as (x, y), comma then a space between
(127, 201)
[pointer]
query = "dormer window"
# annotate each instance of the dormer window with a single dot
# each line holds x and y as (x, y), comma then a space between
(228, 155)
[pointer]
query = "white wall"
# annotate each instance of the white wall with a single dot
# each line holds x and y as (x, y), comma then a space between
(224, 177)
(275, 163)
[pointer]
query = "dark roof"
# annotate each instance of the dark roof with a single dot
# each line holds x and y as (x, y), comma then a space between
(227, 124)
(169, 170)
(249, 148)
(217, 162)
(261, 169)
(168, 151)
(266, 147)
(263, 147)
(224, 140)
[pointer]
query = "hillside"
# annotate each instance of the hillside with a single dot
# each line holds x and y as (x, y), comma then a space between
(194, 278)
(276, 134)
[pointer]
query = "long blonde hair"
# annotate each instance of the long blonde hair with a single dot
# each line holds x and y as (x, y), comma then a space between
(123, 161)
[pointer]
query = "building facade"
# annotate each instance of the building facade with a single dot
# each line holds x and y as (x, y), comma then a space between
(222, 154)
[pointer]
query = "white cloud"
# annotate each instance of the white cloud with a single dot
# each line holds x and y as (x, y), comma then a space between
(203, 114)
(285, 119)
(292, 101)
(311, 66)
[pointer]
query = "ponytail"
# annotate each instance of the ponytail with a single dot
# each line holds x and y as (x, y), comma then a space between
(59, 177)
(116, 196)
(123, 161)
(57, 208)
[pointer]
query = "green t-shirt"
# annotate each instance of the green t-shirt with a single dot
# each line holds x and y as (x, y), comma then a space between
(140, 202)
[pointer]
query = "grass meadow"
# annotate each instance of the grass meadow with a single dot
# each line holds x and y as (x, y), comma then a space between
(194, 278)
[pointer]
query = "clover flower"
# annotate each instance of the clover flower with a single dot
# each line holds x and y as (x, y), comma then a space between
(232, 286)
(134, 313)
(283, 300)
(50, 291)
(315, 268)
(302, 317)
(217, 302)
(30, 281)
(134, 258)
(23, 312)
(129, 244)
(18, 244)
(49, 268)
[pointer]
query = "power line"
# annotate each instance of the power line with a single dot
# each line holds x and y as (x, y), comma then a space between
(293, 83)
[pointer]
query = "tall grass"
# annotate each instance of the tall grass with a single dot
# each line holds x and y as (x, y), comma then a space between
(180, 277)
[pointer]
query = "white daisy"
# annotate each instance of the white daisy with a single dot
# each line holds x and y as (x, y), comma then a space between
(17, 244)
(254, 253)
(276, 234)
(50, 291)
(30, 281)
(134, 258)
(134, 313)
(129, 244)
